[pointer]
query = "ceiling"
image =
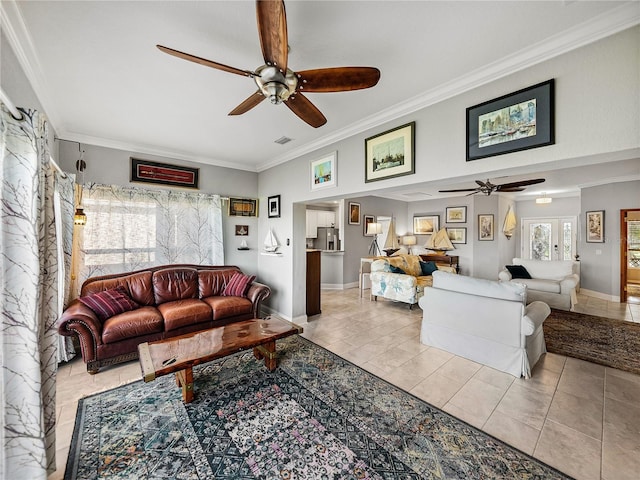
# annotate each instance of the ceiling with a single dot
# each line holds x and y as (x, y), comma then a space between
(101, 80)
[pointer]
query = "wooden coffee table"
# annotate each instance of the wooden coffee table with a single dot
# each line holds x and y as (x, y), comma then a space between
(179, 354)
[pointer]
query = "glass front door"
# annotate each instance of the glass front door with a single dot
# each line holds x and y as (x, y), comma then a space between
(549, 238)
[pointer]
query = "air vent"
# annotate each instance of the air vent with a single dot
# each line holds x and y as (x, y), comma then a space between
(283, 140)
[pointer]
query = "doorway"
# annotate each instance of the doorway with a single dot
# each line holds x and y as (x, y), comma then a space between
(552, 238)
(630, 256)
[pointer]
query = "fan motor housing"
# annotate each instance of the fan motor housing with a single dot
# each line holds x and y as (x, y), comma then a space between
(274, 85)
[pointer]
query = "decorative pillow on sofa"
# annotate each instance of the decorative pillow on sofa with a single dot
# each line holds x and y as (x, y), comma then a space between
(238, 285)
(517, 271)
(428, 267)
(108, 303)
(395, 269)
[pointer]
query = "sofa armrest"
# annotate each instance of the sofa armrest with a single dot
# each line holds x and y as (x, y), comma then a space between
(258, 292)
(568, 284)
(534, 316)
(80, 320)
(378, 276)
(504, 275)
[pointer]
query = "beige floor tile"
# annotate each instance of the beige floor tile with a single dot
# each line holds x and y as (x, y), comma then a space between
(619, 462)
(551, 361)
(622, 425)
(494, 377)
(582, 385)
(525, 405)
(574, 365)
(459, 369)
(541, 380)
(574, 412)
(512, 431)
(623, 389)
(437, 389)
(557, 447)
(478, 400)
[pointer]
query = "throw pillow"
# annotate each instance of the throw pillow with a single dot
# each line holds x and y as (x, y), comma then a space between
(238, 285)
(518, 271)
(110, 302)
(395, 269)
(428, 267)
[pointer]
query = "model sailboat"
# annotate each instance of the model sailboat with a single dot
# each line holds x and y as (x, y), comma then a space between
(510, 223)
(270, 243)
(391, 245)
(439, 242)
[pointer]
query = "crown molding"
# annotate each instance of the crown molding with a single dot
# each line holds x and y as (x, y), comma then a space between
(149, 150)
(597, 28)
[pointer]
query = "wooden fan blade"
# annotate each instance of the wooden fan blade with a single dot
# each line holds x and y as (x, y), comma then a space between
(248, 104)
(523, 183)
(338, 79)
(460, 190)
(205, 62)
(307, 111)
(272, 29)
(512, 189)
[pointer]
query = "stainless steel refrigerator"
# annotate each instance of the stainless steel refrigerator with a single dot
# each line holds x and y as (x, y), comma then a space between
(327, 239)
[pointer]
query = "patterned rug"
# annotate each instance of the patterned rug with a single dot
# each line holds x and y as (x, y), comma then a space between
(317, 416)
(614, 343)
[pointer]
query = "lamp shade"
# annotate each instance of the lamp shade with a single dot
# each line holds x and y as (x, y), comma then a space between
(374, 228)
(409, 240)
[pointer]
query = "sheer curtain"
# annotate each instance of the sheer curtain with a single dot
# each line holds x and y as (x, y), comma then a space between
(131, 228)
(29, 298)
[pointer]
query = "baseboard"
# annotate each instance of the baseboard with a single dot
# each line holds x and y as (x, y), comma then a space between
(601, 296)
(338, 286)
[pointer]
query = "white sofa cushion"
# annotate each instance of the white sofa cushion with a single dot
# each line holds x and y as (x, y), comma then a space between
(554, 270)
(540, 284)
(479, 286)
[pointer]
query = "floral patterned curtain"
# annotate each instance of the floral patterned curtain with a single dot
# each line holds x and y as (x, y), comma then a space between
(131, 228)
(29, 298)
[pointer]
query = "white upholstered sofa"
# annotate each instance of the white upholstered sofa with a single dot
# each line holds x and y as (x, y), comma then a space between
(485, 321)
(555, 282)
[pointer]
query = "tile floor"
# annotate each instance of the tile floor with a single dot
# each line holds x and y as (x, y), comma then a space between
(579, 417)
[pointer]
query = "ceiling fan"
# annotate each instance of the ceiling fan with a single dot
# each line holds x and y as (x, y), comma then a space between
(276, 81)
(488, 188)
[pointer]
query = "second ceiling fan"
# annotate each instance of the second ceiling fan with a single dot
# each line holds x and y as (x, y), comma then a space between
(488, 188)
(276, 81)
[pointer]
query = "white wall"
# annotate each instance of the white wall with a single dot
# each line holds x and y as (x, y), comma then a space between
(593, 120)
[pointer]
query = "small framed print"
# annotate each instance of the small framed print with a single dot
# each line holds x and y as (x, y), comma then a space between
(457, 235)
(273, 206)
(367, 220)
(354, 213)
(243, 207)
(324, 172)
(485, 227)
(595, 226)
(426, 225)
(242, 230)
(456, 215)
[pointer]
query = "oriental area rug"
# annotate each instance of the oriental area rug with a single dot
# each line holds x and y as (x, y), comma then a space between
(607, 341)
(317, 416)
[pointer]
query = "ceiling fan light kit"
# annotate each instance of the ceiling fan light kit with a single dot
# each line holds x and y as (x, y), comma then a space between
(276, 81)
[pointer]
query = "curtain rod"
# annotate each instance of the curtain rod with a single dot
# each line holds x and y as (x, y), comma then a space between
(15, 113)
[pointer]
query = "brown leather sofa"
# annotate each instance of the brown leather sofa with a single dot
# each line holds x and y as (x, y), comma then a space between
(173, 299)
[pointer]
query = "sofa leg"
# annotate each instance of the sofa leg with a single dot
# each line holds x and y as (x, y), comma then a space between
(93, 368)
(411, 306)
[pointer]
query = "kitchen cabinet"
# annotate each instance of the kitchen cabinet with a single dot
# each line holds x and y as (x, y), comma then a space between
(312, 224)
(326, 218)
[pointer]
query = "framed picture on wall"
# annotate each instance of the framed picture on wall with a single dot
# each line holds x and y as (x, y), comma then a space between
(485, 227)
(354, 213)
(456, 215)
(390, 154)
(595, 226)
(426, 225)
(457, 235)
(273, 206)
(324, 172)
(243, 207)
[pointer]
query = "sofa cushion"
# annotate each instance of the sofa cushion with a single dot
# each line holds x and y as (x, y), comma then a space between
(553, 270)
(480, 286)
(110, 302)
(138, 285)
(394, 269)
(225, 307)
(143, 321)
(540, 284)
(181, 313)
(428, 267)
(238, 285)
(212, 282)
(172, 284)
(517, 271)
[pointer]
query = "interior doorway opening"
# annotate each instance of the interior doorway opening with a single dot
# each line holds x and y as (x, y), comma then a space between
(630, 256)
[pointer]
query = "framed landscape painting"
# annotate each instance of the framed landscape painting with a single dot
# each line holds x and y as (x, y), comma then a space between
(457, 235)
(390, 154)
(323, 172)
(426, 225)
(513, 122)
(456, 214)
